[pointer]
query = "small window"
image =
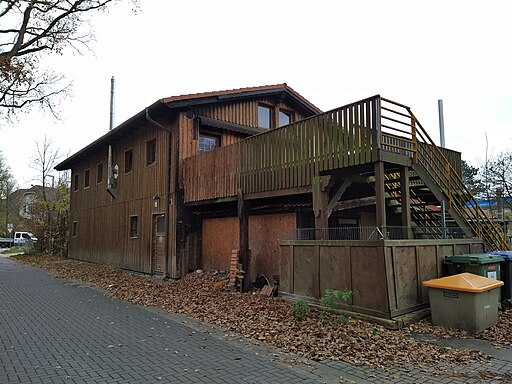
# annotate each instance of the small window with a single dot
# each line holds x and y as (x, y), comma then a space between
(151, 152)
(99, 173)
(87, 174)
(74, 228)
(160, 224)
(265, 116)
(133, 226)
(75, 183)
(128, 161)
(208, 142)
(285, 118)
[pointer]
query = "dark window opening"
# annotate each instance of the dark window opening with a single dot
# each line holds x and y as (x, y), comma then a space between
(208, 142)
(133, 226)
(160, 224)
(99, 173)
(75, 183)
(285, 118)
(151, 152)
(128, 161)
(87, 174)
(74, 229)
(265, 116)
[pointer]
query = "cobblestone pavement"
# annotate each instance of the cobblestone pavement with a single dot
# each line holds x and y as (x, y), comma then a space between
(58, 331)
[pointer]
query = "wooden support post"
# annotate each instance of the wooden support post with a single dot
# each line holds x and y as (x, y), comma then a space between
(380, 198)
(320, 206)
(405, 202)
(243, 216)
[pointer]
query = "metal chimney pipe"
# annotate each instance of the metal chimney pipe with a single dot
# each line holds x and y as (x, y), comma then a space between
(112, 94)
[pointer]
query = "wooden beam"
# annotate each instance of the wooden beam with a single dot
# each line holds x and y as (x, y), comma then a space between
(243, 216)
(341, 190)
(354, 203)
(320, 204)
(380, 196)
(405, 202)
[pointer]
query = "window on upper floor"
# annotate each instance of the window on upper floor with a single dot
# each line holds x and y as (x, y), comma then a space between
(208, 142)
(128, 161)
(265, 116)
(87, 175)
(151, 152)
(133, 226)
(75, 182)
(99, 173)
(285, 117)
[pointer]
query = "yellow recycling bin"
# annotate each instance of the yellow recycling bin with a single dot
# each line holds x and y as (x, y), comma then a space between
(464, 301)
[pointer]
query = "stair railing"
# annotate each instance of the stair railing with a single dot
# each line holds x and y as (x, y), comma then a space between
(426, 153)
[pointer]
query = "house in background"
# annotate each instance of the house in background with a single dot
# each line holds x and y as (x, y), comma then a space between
(348, 198)
(18, 208)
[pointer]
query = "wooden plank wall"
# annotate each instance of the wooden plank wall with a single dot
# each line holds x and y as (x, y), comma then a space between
(103, 222)
(289, 156)
(387, 274)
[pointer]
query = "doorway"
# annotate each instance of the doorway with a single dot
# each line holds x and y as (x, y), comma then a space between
(158, 244)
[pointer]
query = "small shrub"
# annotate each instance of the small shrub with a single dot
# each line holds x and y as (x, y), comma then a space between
(300, 309)
(331, 294)
(341, 319)
(322, 315)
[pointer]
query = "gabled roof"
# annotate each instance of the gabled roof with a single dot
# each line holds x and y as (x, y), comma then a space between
(245, 92)
(183, 101)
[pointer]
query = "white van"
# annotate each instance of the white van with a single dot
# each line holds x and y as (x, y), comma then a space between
(24, 238)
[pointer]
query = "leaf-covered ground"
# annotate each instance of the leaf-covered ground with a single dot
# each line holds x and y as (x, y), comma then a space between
(203, 296)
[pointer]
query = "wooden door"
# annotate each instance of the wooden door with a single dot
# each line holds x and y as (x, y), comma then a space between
(158, 244)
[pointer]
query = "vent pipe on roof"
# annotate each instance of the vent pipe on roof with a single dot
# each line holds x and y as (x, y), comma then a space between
(110, 168)
(112, 94)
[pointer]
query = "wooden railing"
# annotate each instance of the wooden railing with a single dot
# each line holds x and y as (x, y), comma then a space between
(291, 156)
(435, 161)
(286, 157)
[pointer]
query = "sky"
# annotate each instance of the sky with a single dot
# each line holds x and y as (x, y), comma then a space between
(331, 52)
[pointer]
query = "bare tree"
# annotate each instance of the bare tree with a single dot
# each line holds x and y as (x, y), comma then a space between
(31, 30)
(7, 185)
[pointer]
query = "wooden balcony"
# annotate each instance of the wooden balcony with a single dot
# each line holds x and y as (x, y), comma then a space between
(285, 160)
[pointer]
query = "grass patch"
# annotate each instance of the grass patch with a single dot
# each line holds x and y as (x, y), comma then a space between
(14, 250)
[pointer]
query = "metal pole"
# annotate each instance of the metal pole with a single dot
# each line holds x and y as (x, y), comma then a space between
(112, 106)
(441, 122)
(442, 143)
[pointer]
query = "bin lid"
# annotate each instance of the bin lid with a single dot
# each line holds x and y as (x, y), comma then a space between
(474, 258)
(467, 282)
(507, 255)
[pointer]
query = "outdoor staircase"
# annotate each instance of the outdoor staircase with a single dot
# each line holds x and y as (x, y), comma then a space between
(435, 172)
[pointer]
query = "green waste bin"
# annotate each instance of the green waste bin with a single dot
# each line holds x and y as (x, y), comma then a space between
(481, 264)
(464, 301)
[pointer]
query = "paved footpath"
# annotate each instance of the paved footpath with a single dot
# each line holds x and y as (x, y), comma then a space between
(58, 331)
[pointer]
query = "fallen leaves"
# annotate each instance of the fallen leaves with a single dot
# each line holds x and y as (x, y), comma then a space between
(204, 297)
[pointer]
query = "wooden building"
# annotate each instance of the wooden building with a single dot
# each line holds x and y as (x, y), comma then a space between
(193, 177)
(130, 210)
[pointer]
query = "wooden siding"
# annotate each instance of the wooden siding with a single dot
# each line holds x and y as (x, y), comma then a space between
(103, 222)
(265, 232)
(387, 273)
(245, 112)
(286, 157)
